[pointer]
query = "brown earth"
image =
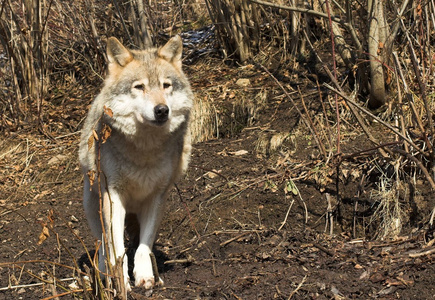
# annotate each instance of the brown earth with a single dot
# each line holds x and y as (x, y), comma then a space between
(235, 227)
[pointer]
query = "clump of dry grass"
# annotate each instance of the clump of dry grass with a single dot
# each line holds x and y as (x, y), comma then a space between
(268, 144)
(389, 215)
(204, 123)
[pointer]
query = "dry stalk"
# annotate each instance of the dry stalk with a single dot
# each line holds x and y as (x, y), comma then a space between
(329, 214)
(286, 215)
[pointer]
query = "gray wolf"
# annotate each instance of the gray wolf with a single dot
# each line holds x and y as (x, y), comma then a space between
(145, 106)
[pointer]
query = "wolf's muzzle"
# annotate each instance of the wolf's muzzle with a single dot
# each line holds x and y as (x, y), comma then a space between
(161, 113)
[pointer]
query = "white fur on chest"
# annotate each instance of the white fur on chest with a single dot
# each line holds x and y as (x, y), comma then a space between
(141, 184)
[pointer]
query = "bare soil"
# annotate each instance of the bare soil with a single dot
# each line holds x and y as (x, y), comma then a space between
(235, 227)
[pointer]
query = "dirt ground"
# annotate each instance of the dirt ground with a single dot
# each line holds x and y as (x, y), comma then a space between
(249, 221)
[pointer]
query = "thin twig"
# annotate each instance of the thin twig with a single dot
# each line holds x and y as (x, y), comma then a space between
(223, 244)
(286, 215)
(34, 284)
(297, 288)
(67, 293)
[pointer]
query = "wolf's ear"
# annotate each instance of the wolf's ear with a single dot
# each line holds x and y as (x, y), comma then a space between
(117, 53)
(172, 51)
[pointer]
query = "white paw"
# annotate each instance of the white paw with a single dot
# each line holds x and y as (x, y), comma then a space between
(143, 272)
(143, 269)
(146, 282)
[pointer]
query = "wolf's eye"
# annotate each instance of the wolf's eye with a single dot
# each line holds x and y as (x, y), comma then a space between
(166, 85)
(140, 87)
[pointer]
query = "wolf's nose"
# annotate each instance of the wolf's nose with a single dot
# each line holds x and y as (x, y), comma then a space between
(161, 112)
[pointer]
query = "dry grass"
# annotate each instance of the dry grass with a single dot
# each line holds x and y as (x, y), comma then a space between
(389, 216)
(204, 123)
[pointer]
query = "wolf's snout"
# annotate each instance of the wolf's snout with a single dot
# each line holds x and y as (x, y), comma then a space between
(161, 113)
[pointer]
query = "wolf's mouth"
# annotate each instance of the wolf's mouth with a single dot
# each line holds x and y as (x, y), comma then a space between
(159, 122)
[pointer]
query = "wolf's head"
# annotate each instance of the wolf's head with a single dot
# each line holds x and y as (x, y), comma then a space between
(146, 88)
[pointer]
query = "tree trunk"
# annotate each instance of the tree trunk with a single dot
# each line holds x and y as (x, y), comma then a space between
(143, 36)
(377, 83)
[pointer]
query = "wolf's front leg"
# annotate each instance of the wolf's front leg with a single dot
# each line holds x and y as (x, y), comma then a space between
(149, 219)
(114, 219)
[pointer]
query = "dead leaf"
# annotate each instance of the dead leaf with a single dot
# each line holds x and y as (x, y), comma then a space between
(105, 132)
(364, 275)
(90, 142)
(50, 218)
(380, 47)
(91, 176)
(108, 111)
(45, 233)
(95, 134)
(212, 174)
(377, 277)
